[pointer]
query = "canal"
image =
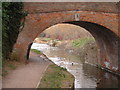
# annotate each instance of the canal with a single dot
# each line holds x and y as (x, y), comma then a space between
(86, 76)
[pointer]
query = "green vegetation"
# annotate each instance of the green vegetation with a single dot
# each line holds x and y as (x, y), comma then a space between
(36, 51)
(8, 66)
(12, 66)
(56, 77)
(4, 73)
(46, 39)
(81, 42)
(12, 14)
(14, 56)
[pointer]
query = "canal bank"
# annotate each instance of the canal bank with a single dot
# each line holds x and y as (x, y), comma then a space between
(86, 76)
(59, 76)
(56, 77)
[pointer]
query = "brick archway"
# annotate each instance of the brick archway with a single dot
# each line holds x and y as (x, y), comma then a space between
(102, 25)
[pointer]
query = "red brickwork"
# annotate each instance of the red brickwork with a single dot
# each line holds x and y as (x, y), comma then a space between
(101, 22)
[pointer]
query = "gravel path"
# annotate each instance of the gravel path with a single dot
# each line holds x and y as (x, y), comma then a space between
(27, 76)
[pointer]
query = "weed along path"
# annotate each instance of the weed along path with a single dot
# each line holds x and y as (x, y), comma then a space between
(29, 75)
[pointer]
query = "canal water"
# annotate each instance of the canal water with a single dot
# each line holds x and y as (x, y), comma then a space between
(86, 76)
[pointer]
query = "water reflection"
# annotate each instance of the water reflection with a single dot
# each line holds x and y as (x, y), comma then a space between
(86, 76)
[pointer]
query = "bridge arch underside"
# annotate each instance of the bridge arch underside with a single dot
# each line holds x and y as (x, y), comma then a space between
(107, 42)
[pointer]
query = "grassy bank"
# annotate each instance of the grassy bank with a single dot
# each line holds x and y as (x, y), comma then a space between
(56, 77)
(81, 41)
(85, 48)
(36, 51)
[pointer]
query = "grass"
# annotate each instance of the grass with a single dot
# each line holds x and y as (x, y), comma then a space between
(47, 39)
(8, 66)
(81, 42)
(56, 77)
(4, 72)
(11, 66)
(36, 51)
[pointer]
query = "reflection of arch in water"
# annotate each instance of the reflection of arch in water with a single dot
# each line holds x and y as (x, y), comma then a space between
(103, 79)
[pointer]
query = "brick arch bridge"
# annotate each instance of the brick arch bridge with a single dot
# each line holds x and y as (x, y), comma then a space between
(100, 19)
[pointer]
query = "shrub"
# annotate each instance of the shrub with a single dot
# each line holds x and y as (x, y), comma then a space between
(12, 14)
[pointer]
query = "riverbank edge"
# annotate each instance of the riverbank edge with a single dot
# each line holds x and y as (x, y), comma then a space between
(52, 63)
(41, 77)
(67, 49)
(72, 87)
(103, 68)
(63, 45)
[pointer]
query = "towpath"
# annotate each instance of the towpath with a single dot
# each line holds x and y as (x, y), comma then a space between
(27, 76)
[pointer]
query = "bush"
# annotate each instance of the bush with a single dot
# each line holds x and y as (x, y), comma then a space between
(12, 14)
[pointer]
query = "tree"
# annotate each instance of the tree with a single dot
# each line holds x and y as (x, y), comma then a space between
(12, 13)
